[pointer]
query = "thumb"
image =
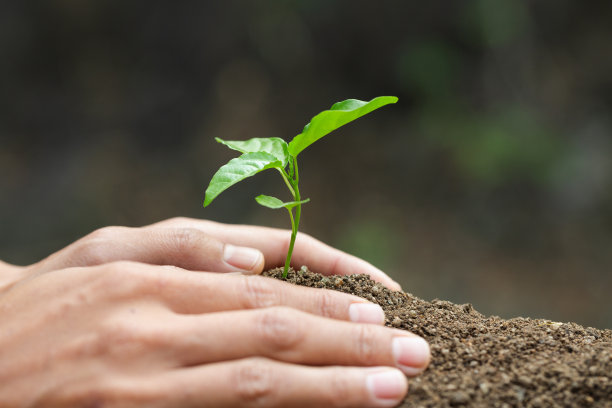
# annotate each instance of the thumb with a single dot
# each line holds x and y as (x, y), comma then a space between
(192, 249)
(187, 248)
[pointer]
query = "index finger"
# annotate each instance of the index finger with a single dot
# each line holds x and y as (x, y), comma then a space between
(273, 243)
(188, 292)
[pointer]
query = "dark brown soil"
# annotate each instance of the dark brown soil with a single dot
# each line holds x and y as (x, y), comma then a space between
(481, 361)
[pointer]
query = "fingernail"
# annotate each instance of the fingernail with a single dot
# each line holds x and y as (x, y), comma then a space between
(387, 387)
(366, 313)
(242, 257)
(411, 354)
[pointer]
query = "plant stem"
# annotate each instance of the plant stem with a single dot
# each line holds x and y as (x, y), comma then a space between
(287, 179)
(291, 244)
(295, 221)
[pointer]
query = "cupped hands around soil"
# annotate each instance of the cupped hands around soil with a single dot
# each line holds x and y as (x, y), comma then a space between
(480, 361)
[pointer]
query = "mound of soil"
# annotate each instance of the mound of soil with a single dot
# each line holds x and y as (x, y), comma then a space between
(481, 361)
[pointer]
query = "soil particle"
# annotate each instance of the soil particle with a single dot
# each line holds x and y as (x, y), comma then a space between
(481, 361)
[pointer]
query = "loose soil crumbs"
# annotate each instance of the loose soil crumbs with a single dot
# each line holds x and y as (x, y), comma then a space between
(480, 361)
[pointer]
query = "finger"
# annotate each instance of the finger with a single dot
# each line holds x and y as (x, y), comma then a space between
(308, 251)
(264, 383)
(288, 335)
(188, 248)
(186, 292)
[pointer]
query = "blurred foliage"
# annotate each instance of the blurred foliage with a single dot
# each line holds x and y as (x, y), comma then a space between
(490, 182)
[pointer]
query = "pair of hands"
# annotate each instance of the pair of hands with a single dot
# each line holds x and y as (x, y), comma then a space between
(127, 317)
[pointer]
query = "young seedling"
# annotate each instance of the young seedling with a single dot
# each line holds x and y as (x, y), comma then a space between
(259, 154)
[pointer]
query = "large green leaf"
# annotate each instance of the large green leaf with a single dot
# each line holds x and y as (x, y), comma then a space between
(273, 145)
(275, 203)
(338, 115)
(237, 170)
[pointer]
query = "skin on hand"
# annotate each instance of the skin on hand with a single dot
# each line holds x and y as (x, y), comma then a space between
(201, 245)
(274, 243)
(9, 274)
(130, 333)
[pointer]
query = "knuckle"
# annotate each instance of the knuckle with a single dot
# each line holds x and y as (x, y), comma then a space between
(341, 389)
(189, 244)
(255, 382)
(112, 335)
(110, 274)
(365, 350)
(185, 239)
(177, 220)
(107, 232)
(126, 279)
(258, 292)
(327, 304)
(122, 339)
(96, 248)
(78, 347)
(279, 328)
(92, 251)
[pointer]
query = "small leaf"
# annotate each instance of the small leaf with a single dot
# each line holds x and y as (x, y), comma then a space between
(275, 203)
(339, 115)
(237, 170)
(276, 146)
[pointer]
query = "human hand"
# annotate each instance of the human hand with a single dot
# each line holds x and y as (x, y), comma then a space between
(201, 245)
(71, 332)
(132, 334)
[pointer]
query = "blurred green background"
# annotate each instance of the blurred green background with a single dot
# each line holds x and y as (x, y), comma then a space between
(490, 182)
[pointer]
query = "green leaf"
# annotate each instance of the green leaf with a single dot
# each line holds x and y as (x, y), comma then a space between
(339, 115)
(275, 203)
(237, 170)
(276, 146)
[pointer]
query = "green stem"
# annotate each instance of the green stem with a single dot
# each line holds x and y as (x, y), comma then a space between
(287, 181)
(291, 244)
(295, 222)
